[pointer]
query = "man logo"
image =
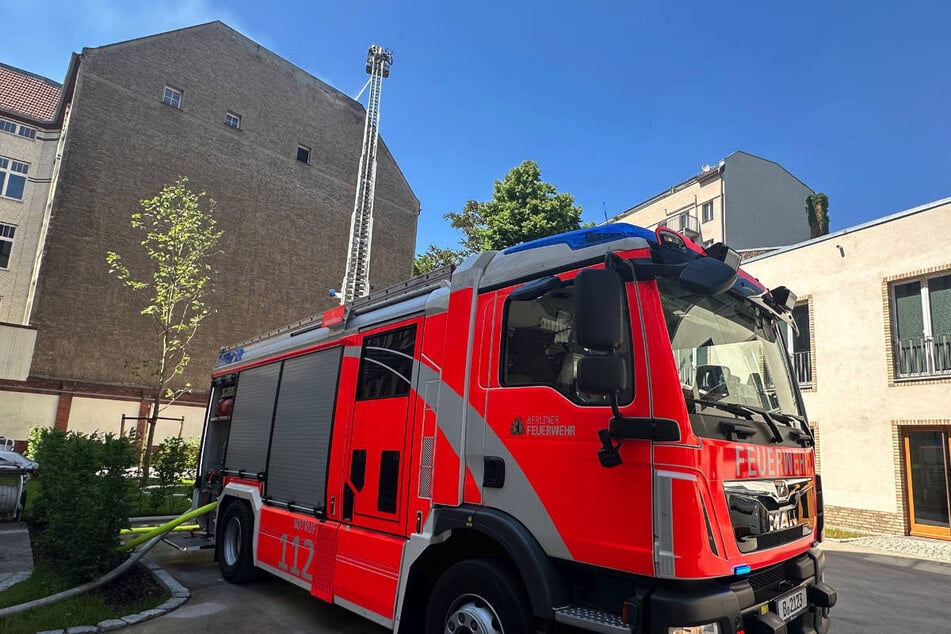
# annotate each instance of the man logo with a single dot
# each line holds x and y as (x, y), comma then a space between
(782, 490)
(518, 427)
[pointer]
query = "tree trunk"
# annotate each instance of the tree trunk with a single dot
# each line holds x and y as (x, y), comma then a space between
(150, 437)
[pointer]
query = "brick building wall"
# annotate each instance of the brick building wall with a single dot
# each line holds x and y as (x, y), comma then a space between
(286, 223)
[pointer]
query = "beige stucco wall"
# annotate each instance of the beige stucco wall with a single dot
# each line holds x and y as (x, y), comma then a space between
(19, 411)
(852, 401)
(105, 415)
(27, 216)
(688, 200)
(101, 415)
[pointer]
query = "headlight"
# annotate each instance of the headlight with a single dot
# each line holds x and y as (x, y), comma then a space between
(708, 628)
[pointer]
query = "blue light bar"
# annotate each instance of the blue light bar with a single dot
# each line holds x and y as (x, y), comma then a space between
(741, 570)
(587, 237)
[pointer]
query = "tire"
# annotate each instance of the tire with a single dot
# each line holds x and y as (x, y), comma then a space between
(235, 550)
(478, 596)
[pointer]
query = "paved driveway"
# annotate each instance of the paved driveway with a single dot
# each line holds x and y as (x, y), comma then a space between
(268, 605)
(877, 593)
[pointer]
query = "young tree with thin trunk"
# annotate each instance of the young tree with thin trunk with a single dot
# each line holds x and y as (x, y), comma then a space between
(180, 238)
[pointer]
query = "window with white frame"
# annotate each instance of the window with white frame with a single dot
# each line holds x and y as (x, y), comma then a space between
(6, 244)
(708, 211)
(303, 154)
(233, 120)
(799, 345)
(12, 178)
(172, 97)
(8, 126)
(921, 327)
(28, 132)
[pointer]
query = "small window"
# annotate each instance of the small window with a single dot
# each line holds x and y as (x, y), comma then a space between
(708, 211)
(684, 221)
(6, 244)
(921, 327)
(303, 154)
(8, 126)
(539, 346)
(386, 365)
(172, 97)
(799, 345)
(12, 178)
(28, 132)
(233, 120)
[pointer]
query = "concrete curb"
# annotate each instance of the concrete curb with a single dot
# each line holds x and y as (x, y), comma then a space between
(180, 595)
(14, 579)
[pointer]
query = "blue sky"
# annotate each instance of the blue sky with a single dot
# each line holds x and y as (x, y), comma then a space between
(616, 101)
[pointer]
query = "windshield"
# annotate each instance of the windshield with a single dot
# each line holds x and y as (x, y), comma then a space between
(727, 351)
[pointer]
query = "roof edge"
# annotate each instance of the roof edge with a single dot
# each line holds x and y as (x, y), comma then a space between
(859, 227)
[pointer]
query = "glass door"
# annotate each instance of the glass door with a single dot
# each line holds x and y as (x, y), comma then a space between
(927, 465)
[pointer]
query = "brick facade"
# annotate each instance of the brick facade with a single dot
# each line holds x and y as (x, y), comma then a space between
(286, 223)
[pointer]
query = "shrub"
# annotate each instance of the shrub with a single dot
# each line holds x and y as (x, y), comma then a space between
(171, 460)
(83, 499)
(32, 440)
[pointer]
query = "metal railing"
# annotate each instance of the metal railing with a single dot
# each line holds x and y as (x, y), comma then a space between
(802, 365)
(923, 356)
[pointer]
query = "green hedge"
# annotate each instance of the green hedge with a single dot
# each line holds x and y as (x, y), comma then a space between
(83, 499)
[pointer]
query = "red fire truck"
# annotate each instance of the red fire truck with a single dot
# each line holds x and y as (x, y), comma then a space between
(597, 430)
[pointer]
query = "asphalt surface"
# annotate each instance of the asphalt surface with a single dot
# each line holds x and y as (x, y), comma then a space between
(877, 594)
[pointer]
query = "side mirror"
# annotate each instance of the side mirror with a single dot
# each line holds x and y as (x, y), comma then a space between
(707, 276)
(598, 309)
(606, 375)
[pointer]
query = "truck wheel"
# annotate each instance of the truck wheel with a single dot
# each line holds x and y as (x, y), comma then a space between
(478, 596)
(235, 554)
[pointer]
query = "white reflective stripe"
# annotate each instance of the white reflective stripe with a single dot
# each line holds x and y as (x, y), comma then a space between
(364, 612)
(676, 475)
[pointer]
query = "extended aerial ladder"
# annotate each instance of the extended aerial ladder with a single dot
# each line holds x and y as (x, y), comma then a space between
(356, 279)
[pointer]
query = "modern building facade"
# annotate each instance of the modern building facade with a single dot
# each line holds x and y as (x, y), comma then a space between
(31, 119)
(873, 356)
(276, 148)
(744, 200)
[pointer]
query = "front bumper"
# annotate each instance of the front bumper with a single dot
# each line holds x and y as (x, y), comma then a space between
(741, 604)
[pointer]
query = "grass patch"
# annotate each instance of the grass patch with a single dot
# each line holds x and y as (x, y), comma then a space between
(134, 592)
(841, 533)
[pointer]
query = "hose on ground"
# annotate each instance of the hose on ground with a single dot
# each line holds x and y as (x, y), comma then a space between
(113, 574)
(164, 528)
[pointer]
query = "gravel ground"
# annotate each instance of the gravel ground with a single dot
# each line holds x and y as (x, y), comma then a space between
(933, 549)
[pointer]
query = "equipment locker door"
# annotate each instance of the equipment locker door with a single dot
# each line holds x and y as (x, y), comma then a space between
(374, 491)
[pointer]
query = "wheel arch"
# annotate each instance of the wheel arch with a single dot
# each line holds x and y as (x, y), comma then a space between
(480, 532)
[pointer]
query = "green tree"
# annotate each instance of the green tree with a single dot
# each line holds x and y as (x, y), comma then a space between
(817, 211)
(180, 238)
(435, 258)
(523, 207)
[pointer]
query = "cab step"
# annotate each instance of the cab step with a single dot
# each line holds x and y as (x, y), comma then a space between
(591, 619)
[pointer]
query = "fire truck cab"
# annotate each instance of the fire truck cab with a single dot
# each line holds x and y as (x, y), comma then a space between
(597, 430)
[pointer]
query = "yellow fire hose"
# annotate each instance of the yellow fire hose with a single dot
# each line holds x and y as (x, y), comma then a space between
(168, 526)
(146, 529)
(150, 539)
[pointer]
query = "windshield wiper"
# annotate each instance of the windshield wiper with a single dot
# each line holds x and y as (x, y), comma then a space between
(742, 410)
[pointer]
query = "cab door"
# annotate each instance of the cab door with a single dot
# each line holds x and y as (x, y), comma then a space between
(377, 464)
(546, 431)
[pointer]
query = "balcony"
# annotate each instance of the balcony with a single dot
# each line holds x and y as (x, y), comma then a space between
(689, 226)
(802, 366)
(922, 357)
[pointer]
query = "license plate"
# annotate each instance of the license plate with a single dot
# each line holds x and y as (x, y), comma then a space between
(789, 606)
